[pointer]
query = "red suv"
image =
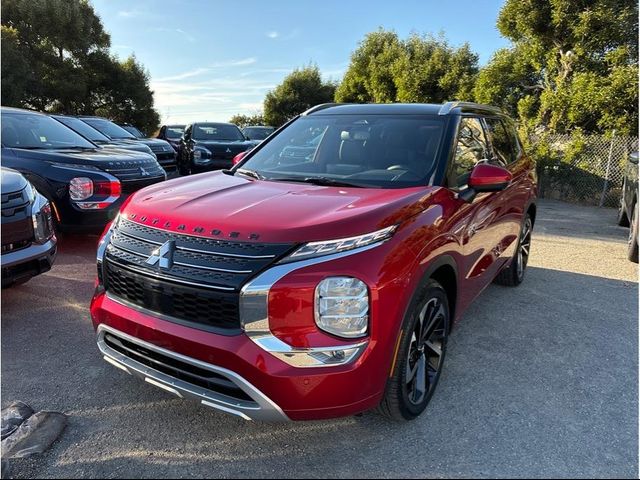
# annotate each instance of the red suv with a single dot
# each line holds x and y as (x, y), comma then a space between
(321, 276)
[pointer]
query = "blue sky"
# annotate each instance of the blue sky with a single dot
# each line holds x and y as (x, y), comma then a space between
(210, 59)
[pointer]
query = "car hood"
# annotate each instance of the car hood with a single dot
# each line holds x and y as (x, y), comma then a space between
(244, 209)
(12, 181)
(128, 144)
(98, 157)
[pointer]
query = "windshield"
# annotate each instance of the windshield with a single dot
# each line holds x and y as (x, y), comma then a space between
(216, 131)
(108, 128)
(133, 131)
(87, 131)
(384, 151)
(174, 132)
(29, 131)
(258, 133)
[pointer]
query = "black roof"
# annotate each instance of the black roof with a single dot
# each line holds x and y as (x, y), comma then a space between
(400, 108)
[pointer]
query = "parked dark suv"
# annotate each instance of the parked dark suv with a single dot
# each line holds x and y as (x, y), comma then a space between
(95, 136)
(84, 183)
(28, 239)
(209, 146)
(172, 134)
(162, 150)
(628, 211)
(322, 284)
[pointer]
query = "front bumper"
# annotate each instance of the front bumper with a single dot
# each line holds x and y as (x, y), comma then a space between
(278, 391)
(28, 262)
(256, 407)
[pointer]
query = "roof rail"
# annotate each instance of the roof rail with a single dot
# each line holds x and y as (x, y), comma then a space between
(469, 106)
(322, 106)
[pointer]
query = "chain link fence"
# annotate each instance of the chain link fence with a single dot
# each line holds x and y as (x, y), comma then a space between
(588, 170)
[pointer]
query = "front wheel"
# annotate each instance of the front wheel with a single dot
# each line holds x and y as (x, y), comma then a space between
(419, 360)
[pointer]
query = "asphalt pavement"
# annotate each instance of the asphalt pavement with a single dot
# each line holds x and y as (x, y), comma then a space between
(539, 381)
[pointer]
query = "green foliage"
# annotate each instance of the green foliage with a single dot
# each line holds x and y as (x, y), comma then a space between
(572, 65)
(55, 57)
(421, 68)
(300, 90)
(247, 120)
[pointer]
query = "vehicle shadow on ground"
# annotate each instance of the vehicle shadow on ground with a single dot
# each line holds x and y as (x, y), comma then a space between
(536, 380)
(579, 222)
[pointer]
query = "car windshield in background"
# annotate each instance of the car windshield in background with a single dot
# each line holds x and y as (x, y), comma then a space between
(174, 133)
(257, 133)
(39, 132)
(216, 131)
(382, 151)
(108, 128)
(134, 131)
(87, 131)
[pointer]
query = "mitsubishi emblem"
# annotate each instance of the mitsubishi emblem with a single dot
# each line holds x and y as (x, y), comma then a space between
(143, 172)
(163, 255)
(228, 150)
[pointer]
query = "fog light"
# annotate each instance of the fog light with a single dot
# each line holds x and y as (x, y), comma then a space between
(342, 307)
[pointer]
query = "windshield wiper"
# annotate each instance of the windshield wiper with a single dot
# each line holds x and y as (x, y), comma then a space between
(323, 181)
(250, 173)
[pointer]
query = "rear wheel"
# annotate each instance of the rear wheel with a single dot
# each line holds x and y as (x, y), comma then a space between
(420, 355)
(622, 219)
(513, 274)
(632, 251)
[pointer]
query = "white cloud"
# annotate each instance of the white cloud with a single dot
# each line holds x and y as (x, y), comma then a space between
(186, 35)
(273, 34)
(129, 13)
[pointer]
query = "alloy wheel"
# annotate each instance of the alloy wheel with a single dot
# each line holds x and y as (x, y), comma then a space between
(425, 352)
(524, 247)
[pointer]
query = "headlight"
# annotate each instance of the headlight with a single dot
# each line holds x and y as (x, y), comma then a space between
(342, 307)
(317, 249)
(80, 188)
(42, 221)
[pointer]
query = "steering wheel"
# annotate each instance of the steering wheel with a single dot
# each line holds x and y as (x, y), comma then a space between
(399, 167)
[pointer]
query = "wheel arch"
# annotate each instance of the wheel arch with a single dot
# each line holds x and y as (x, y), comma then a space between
(444, 270)
(532, 210)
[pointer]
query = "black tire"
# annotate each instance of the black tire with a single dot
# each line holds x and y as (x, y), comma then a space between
(623, 219)
(632, 251)
(513, 274)
(429, 314)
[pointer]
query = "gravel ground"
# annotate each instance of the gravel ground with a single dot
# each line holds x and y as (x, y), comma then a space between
(540, 381)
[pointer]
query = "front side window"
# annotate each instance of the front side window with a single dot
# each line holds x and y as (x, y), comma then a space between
(216, 131)
(471, 149)
(39, 132)
(377, 151)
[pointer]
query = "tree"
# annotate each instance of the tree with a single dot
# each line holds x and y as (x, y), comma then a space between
(421, 68)
(572, 65)
(300, 90)
(247, 120)
(55, 57)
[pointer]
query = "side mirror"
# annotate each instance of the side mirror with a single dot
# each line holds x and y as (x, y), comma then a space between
(633, 158)
(485, 178)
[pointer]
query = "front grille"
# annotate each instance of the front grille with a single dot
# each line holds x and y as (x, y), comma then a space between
(201, 286)
(226, 153)
(17, 225)
(176, 368)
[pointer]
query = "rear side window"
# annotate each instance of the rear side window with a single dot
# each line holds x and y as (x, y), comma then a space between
(502, 141)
